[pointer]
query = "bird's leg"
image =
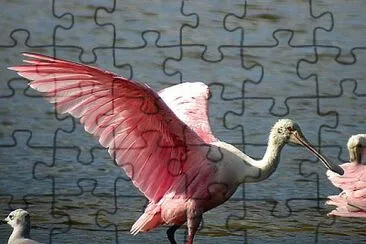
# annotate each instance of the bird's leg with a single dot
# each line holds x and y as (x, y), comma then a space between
(194, 217)
(170, 233)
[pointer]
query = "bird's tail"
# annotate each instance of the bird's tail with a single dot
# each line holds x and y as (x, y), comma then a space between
(146, 222)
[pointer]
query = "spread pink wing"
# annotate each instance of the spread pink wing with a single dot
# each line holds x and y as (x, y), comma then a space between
(142, 133)
(189, 101)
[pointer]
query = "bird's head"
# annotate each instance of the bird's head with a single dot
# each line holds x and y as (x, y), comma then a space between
(16, 218)
(287, 131)
(356, 146)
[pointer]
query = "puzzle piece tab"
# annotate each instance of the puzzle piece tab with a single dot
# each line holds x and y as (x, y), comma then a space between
(130, 24)
(344, 34)
(84, 21)
(259, 21)
(38, 19)
(209, 14)
(329, 73)
(279, 58)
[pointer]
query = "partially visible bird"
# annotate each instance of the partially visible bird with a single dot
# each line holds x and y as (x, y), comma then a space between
(19, 219)
(162, 140)
(351, 202)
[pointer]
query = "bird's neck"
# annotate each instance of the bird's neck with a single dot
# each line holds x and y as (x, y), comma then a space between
(268, 164)
(20, 232)
(244, 169)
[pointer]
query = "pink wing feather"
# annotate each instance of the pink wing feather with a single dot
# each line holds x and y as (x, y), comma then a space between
(351, 202)
(145, 137)
(189, 101)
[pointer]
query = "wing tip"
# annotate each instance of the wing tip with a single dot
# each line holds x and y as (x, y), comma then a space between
(13, 68)
(27, 54)
(42, 57)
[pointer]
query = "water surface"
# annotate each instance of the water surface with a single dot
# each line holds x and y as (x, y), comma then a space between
(257, 74)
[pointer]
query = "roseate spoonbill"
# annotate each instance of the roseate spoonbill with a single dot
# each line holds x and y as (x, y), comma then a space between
(162, 140)
(19, 219)
(351, 202)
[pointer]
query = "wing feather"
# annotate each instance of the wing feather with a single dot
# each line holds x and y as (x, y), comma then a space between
(142, 133)
(189, 101)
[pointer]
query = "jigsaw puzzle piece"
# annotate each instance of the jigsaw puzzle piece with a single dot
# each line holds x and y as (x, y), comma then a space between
(259, 21)
(329, 73)
(230, 71)
(84, 21)
(216, 35)
(69, 165)
(39, 115)
(106, 59)
(10, 55)
(282, 57)
(145, 63)
(82, 142)
(37, 16)
(130, 24)
(340, 35)
(15, 156)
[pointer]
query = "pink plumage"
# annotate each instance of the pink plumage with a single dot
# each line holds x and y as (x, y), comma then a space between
(162, 140)
(351, 202)
(160, 150)
(142, 133)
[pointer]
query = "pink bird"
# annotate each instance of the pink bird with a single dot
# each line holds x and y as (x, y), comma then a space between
(351, 202)
(162, 140)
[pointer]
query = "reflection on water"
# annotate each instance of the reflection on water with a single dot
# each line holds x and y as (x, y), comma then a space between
(70, 185)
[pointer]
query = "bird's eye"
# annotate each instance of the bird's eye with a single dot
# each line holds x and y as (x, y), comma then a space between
(279, 130)
(11, 217)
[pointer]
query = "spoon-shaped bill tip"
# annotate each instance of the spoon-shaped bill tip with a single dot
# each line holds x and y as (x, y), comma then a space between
(335, 168)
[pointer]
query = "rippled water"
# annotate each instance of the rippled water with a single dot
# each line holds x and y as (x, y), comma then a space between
(256, 73)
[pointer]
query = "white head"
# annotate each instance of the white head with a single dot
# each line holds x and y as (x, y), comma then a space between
(18, 218)
(282, 131)
(356, 147)
(287, 131)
